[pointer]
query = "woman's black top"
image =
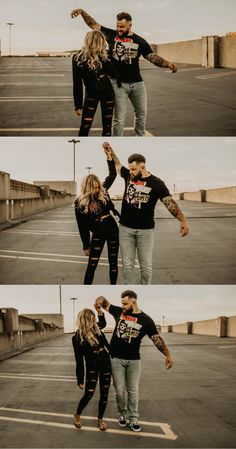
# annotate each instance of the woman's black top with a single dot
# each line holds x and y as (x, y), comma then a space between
(84, 350)
(96, 81)
(87, 222)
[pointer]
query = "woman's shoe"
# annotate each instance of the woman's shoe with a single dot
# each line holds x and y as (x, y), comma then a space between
(77, 422)
(102, 425)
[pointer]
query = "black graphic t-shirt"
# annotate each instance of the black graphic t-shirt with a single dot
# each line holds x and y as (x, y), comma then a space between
(129, 330)
(139, 200)
(125, 53)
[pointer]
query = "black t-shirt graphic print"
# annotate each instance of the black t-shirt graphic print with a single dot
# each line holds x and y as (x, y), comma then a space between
(125, 53)
(139, 200)
(129, 331)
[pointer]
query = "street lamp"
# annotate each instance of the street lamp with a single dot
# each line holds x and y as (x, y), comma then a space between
(89, 169)
(10, 24)
(163, 320)
(74, 299)
(74, 141)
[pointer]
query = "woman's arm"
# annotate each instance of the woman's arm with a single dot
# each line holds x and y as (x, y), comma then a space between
(83, 226)
(77, 85)
(111, 175)
(101, 320)
(79, 358)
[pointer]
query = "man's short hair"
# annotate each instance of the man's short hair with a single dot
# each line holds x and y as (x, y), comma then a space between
(129, 293)
(124, 15)
(136, 157)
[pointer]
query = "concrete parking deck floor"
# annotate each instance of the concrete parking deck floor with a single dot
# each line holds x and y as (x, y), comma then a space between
(190, 406)
(47, 249)
(36, 99)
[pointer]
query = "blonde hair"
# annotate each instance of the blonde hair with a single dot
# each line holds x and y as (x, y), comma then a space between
(88, 191)
(94, 50)
(87, 327)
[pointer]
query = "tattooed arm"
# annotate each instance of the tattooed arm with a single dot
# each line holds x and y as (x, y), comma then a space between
(111, 155)
(175, 210)
(101, 301)
(87, 18)
(162, 347)
(160, 62)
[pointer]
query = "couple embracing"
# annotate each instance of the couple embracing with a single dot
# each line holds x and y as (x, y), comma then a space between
(95, 212)
(120, 359)
(108, 67)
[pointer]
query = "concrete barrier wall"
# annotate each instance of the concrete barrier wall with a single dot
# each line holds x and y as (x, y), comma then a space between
(226, 195)
(192, 196)
(189, 52)
(221, 327)
(227, 51)
(22, 208)
(4, 185)
(68, 186)
(223, 195)
(231, 326)
(50, 318)
(23, 190)
(208, 51)
(19, 331)
(208, 327)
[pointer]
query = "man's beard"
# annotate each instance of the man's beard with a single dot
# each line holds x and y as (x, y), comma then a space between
(125, 34)
(126, 312)
(137, 177)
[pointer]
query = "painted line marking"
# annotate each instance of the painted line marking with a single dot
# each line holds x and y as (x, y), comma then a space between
(52, 260)
(167, 432)
(216, 75)
(34, 83)
(31, 74)
(50, 254)
(36, 100)
(39, 375)
(37, 378)
(38, 362)
(147, 133)
(39, 232)
(226, 347)
(185, 70)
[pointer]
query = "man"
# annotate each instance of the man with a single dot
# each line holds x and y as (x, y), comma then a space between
(132, 324)
(136, 231)
(125, 49)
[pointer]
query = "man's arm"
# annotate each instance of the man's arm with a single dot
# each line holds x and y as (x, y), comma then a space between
(87, 18)
(111, 155)
(175, 210)
(162, 347)
(160, 62)
(101, 301)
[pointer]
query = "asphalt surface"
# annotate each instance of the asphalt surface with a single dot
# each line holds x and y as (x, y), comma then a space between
(190, 406)
(47, 249)
(36, 99)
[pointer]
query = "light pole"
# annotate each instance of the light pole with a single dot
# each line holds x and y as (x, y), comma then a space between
(73, 299)
(74, 141)
(163, 320)
(89, 169)
(60, 299)
(10, 24)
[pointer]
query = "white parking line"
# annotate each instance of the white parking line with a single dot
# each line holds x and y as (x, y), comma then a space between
(51, 260)
(11, 376)
(39, 375)
(39, 232)
(227, 347)
(216, 75)
(166, 434)
(147, 133)
(34, 83)
(31, 74)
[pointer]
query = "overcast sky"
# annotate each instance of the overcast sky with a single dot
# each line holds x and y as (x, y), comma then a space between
(179, 303)
(46, 24)
(189, 163)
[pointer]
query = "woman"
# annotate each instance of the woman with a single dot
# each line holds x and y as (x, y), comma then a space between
(93, 213)
(90, 343)
(92, 67)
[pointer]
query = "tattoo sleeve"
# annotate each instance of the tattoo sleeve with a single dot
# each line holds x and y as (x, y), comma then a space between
(160, 344)
(157, 60)
(173, 207)
(88, 19)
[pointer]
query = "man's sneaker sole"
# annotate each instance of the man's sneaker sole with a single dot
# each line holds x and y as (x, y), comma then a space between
(135, 430)
(124, 424)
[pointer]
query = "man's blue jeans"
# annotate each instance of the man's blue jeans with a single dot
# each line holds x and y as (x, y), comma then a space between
(126, 375)
(136, 93)
(141, 240)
